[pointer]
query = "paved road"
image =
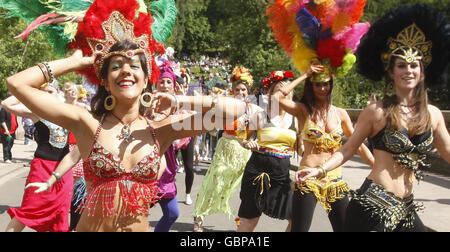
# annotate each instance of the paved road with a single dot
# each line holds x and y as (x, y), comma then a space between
(434, 192)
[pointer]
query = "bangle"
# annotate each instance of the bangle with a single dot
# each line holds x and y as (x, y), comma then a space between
(47, 72)
(57, 176)
(44, 71)
(50, 72)
(322, 172)
(177, 103)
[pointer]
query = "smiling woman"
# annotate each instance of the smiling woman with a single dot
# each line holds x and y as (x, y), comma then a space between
(407, 48)
(120, 147)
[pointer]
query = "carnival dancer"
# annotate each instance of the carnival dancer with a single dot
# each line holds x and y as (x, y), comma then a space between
(167, 186)
(320, 38)
(409, 47)
(47, 211)
(266, 186)
(322, 127)
(71, 95)
(224, 175)
(120, 148)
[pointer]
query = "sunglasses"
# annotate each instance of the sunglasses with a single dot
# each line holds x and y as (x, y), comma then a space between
(320, 84)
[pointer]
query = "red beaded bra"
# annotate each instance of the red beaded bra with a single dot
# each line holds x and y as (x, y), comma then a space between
(138, 188)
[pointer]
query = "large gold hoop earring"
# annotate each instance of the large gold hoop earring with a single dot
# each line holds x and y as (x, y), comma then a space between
(111, 100)
(145, 103)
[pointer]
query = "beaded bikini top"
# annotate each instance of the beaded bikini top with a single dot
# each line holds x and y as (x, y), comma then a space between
(406, 151)
(138, 187)
(322, 140)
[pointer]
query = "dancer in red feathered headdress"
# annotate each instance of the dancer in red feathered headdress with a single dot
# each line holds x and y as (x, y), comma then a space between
(120, 145)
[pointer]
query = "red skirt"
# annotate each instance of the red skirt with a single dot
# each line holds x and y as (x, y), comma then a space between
(45, 211)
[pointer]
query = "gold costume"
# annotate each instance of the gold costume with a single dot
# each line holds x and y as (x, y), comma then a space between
(332, 187)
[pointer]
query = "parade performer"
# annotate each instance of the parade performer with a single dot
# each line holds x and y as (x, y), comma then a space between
(167, 186)
(224, 175)
(320, 38)
(47, 211)
(266, 186)
(120, 148)
(410, 48)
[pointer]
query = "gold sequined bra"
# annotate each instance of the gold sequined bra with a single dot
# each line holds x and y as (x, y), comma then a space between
(406, 151)
(322, 140)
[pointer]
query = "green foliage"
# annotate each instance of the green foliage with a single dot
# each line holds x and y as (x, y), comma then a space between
(17, 55)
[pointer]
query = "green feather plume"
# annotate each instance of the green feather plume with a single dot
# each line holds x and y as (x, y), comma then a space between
(164, 12)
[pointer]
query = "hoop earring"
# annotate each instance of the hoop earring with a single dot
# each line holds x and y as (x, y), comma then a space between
(145, 103)
(109, 99)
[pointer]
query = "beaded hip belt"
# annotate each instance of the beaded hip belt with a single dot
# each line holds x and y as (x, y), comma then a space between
(385, 206)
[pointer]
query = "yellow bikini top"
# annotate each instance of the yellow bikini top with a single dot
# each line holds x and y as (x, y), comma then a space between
(276, 141)
(322, 141)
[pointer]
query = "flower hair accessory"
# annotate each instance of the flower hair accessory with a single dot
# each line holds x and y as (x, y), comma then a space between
(276, 76)
(241, 74)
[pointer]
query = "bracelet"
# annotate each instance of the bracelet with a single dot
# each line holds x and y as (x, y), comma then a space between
(47, 72)
(57, 176)
(50, 72)
(177, 103)
(44, 71)
(322, 172)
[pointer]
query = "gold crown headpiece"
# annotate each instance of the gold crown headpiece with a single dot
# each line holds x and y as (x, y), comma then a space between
(410, 45)
(118, 28)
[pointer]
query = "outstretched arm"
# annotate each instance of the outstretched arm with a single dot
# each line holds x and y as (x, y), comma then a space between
(13, 105)
(440, 133)
(347, 127)
(69, 161)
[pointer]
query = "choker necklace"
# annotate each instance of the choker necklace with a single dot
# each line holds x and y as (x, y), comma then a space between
(125, 132)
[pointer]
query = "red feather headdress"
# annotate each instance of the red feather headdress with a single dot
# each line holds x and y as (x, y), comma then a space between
(109, 21)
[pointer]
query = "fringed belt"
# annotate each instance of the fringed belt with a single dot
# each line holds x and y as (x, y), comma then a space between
(326, 191)
(385, 206)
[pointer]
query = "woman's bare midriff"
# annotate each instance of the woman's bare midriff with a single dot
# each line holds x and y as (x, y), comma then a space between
(117, 223)
(312, 158)
(392, 176)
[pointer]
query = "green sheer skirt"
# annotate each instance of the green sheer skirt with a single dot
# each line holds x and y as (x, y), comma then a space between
(222, 179)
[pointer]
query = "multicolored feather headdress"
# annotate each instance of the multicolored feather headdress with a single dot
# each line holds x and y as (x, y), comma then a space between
(318, 30)
(70, 24)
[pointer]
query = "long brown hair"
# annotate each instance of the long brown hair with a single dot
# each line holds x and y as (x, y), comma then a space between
(309, 99)
(420, 122)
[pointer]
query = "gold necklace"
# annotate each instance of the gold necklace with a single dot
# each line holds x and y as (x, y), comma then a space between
(125, 132)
